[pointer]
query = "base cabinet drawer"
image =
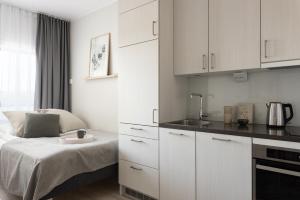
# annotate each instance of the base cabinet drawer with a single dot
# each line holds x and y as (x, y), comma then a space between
(140, 178)
(138, 131)
(139, 150)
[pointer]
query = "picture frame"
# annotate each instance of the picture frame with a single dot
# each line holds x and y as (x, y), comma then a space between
(99, 56)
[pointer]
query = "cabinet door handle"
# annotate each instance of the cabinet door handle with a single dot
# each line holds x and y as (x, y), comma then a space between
(177, 134)
(222, 140)
(136, 129)
(266, 48)
(204, 62)
(138, 141)
(212, 59)
(153, 28)
(135, 168)
(153, 116)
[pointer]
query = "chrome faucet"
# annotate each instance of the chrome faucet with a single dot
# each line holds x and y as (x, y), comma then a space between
(201, 114)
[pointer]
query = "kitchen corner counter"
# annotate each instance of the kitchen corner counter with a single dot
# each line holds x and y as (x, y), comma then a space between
(289, 133)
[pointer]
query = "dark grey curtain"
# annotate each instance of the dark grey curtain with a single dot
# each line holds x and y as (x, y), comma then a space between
(53, 63)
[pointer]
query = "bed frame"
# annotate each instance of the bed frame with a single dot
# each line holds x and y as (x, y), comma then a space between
(82, 180)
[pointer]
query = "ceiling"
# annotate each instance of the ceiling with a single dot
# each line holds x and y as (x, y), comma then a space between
(65, 9)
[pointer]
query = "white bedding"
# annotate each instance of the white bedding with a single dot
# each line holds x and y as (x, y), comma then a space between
(3, 194)
(107, 152)
(5, 138)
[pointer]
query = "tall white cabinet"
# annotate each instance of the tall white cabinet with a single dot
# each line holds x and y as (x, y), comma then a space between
(231, 30)
(146, 85)
(138, 84)
(280, 41)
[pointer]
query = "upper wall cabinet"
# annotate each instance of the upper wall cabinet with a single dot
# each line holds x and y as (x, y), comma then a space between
(126, 5)
(190, 36)
(280, 45)
(139, 25)
(234, 27)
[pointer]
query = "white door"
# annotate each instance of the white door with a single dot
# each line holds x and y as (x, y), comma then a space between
(177, 164)
(126, 5)
(234, 40)
(280, 30)
(138, 84)
(139, 25)
(224, 167)
(190, 36)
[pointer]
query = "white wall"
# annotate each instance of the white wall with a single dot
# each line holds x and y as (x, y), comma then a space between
(95, 101)
(262, 87)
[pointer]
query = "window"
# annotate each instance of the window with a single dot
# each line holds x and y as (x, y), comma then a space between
(17, 58)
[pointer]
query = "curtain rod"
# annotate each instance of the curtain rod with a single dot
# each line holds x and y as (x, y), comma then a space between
(35, 12)
(55, 17)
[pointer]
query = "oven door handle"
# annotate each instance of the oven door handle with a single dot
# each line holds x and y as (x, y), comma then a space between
(278, 170)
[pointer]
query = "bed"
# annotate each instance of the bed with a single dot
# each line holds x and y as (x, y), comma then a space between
(12, 180)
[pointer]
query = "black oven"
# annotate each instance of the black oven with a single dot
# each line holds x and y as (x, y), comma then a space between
(276, 173)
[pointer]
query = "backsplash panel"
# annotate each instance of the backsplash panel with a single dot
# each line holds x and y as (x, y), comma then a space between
(264, 86)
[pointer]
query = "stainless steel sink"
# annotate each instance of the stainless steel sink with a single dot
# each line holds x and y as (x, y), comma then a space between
(191, 122)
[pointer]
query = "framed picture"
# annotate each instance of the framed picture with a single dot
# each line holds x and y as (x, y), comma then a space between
(99, 56)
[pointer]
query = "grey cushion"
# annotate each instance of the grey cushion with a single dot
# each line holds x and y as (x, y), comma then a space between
(41, 125)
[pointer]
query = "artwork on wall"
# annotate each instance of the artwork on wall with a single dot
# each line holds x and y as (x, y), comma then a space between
(99, 56)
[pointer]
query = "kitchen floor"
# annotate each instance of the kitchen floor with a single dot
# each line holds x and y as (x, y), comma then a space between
(104, 190)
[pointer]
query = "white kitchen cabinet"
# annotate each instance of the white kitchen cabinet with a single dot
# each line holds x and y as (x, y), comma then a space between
(234, 40)
(138, 84)
(139, 25)
(224, 167)
(190, 36)
(146, 86)
(280, 30)
(126, 5)
(139, 150)
(149, 132)
(231, 30)
(177, 164)
(139, 177)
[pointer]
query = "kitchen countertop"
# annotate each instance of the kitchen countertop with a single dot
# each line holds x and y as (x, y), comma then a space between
(288, 133)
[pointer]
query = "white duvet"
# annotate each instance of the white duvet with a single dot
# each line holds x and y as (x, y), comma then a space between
(6, 131)
(105, 146)
(5, 138)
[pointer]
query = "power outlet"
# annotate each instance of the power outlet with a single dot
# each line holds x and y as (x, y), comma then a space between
(240, 76)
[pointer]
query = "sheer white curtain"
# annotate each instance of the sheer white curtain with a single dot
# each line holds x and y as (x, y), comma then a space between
(17, 58)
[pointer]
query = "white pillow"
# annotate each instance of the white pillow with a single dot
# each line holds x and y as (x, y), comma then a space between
(67, 121)
(7, 129)
(16, 119)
